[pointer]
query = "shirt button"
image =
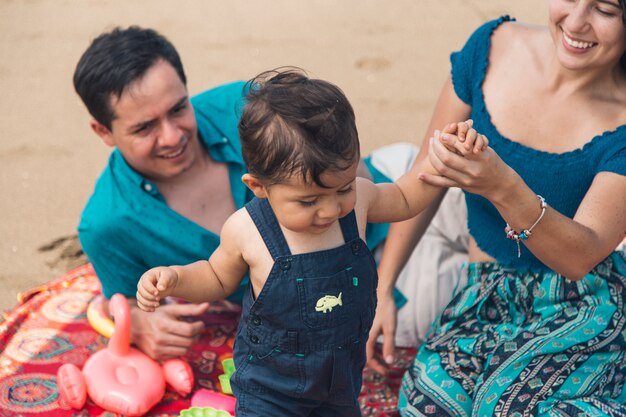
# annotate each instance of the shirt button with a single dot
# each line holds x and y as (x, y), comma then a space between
(355, 247)
(224, 140)
(285, 265)
(147, 187)
(256, 320)
(254, 339)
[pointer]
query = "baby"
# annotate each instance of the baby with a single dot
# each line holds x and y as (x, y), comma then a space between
(300, 345)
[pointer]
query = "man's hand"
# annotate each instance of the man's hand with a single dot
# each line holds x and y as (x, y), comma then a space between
(164, 333)
(385, 324)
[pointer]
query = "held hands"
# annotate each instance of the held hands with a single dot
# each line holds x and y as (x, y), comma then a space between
(468, 163)
(154, 285)
(469, 140)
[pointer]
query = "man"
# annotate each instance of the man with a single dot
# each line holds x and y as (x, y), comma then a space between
(172, 180)
(174, 177)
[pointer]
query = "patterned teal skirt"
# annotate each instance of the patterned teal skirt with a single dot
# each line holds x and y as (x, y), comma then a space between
(525, 344)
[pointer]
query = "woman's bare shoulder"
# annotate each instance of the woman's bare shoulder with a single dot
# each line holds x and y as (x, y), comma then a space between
(515, 30)
(514, 40)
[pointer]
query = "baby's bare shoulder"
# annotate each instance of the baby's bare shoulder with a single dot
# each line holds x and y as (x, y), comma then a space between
(237, 228)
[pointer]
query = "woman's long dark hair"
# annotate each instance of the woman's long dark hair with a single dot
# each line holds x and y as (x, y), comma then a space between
(623, 4)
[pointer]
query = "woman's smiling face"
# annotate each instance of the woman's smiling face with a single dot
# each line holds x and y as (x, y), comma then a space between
(587, 33)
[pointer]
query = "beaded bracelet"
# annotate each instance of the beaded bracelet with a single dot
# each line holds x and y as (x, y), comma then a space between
(526, 233)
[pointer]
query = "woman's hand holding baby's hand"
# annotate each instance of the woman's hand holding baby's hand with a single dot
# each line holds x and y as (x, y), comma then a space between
(154, 285)
(457, 139)
(484, 173)
(468, 142)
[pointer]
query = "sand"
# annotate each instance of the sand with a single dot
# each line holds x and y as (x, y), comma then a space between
(390, 58)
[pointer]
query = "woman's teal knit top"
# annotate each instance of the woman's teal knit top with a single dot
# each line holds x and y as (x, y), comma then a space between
(562, 179)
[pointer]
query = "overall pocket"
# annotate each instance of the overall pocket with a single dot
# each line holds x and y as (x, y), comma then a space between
(327, 302)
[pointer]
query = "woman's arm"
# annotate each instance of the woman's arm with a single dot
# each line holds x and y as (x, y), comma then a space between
(571, 247)
(404, 236)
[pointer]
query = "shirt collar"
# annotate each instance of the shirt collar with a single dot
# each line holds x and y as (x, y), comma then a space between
(218, 139)
(136, 179)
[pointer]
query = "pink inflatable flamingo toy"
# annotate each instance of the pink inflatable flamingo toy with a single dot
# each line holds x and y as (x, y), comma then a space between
(120, 378)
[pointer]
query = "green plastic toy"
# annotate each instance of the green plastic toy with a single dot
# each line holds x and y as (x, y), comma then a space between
(229, 370)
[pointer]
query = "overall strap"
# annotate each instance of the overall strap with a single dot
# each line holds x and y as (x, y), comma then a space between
(349, 227)
(265, 221)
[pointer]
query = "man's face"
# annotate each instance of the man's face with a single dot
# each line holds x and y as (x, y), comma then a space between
(154, 126)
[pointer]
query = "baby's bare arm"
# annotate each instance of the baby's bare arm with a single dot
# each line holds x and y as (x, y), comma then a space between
(204, 280)
(408, 196)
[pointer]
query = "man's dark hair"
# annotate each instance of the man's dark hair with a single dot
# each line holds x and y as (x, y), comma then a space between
(292, 124)
(116, 59)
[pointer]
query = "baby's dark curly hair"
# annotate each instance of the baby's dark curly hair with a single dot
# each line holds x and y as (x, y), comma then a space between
(292, 124)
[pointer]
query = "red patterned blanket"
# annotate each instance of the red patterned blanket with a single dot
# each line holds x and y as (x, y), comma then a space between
(49, 328)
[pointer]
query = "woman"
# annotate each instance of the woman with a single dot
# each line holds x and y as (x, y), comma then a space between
(540, 328)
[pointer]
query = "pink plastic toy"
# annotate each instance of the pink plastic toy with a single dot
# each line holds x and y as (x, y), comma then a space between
(205, 398)
(120, 378)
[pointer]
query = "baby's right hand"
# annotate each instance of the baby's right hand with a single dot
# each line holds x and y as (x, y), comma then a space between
(471, 140)
(154, 285)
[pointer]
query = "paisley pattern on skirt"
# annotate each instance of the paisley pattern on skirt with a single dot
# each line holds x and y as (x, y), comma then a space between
(517, 343)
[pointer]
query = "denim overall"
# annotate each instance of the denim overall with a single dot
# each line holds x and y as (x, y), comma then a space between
(300, 346)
